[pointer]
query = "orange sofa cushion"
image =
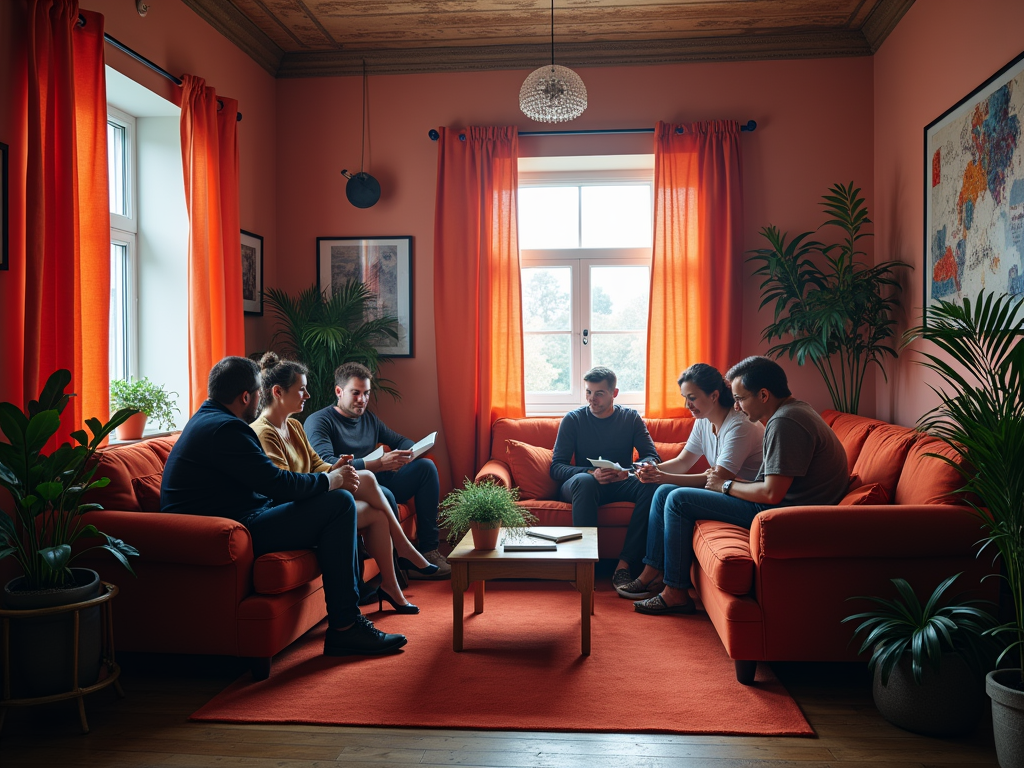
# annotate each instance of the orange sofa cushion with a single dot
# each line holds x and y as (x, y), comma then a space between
(873, 493)
(147, 491)
(122, 463)
(926, 479)
(531, 470)
(881, 459)
(279, 572)
(852, 432)
(723, 551)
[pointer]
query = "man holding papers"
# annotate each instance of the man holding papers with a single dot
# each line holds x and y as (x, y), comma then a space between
(605, 431)
(349, 428)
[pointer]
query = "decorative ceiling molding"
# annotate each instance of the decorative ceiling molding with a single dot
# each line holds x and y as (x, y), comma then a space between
(223, 16)
(834, 42)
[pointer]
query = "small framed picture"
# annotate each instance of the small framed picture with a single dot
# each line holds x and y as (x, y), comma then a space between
(382, 264)
(4, 230)
(252, 273)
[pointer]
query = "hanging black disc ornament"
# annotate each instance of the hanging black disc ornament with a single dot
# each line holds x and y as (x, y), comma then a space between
(362, 190)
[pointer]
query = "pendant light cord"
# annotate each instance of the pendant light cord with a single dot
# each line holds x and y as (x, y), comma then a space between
(362, 140)
(552, 33)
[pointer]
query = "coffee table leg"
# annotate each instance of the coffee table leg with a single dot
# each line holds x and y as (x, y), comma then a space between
(478, 597)
(460, 582)
(585, 584)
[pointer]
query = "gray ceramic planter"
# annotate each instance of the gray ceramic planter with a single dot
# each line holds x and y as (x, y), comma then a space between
(1007, 716)
(947, 703)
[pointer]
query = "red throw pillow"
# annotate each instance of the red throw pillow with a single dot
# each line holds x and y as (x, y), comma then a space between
(872, 493)
(147, 491)
(531, 470)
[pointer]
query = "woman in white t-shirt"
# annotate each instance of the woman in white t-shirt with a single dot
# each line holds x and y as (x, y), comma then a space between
(730, 442)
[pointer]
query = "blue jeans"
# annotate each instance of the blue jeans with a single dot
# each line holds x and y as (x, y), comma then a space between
(670, 529)
(326, 523)
(417, 480)
(586, 495)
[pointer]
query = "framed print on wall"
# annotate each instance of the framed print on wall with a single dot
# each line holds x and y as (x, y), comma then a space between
(252, 273)
(974, 192)
(382, 264)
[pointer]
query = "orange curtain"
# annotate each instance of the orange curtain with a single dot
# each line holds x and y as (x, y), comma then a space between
(67, 230)
(696, 268)
(209, 152)
(478, 320)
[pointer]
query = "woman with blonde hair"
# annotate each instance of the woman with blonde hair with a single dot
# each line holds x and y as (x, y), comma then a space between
(283, 392)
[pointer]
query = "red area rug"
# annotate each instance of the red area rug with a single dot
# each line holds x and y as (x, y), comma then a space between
(521, 670)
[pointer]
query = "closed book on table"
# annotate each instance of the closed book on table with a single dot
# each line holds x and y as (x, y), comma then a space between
(530, 545)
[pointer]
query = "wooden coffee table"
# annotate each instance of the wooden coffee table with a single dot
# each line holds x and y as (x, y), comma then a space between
(573, 561)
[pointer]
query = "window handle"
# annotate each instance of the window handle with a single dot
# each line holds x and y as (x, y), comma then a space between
(586, 337)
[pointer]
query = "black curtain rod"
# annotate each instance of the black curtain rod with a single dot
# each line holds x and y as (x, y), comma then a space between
(143, 60)
(749, 126)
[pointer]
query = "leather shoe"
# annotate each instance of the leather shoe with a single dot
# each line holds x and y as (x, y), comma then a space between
(637, 590)
(434, 557)
(656, 606)
(363, 639)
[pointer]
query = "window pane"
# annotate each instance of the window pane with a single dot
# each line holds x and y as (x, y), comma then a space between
(624, 353)
(549, 217)
(616, 217)
(116, 169)
(618, 298)
(119, 310)
(547, 298)
(547, 363)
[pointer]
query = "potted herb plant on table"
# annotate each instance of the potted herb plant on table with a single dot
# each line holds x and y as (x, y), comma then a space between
(39, 530)
(484, 509)
(151, 401)
(929, 661)
(981, 417)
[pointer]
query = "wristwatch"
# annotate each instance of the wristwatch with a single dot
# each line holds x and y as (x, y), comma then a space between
(726, 487)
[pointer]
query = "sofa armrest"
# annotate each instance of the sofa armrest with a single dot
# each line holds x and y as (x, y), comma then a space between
(883, 531)
(182, 539)
(496, 470)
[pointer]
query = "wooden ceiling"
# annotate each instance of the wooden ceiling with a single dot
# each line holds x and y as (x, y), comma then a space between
(310, 38)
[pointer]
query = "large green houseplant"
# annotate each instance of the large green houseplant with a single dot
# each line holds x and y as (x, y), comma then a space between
(981, 417)
(324, 331)
(829, 306)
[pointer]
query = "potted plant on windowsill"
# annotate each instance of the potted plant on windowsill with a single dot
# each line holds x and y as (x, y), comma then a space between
(981, 416)
(484, 509)
(929, 661)
(150, 401)
(39, 532)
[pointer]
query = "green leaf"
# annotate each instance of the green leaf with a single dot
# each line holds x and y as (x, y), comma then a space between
(56, 557)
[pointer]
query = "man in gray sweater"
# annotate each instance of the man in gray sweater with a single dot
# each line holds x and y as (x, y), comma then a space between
(603, 430)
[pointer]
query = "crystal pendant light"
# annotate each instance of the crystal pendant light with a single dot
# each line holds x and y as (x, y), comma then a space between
(553, 93)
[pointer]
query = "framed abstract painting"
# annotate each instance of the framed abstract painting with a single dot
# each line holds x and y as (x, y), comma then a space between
(382, 264)
(974, 192)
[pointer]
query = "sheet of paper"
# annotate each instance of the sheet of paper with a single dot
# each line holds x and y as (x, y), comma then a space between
(375, 454)
(605, 464)
(424, 445)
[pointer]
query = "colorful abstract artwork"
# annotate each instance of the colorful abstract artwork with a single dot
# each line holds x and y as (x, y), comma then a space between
(974, 192)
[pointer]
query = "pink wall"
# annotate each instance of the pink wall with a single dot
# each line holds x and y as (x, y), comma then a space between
(939, 52)
(814, 129)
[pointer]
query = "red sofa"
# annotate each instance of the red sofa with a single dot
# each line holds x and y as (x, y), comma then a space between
(779, 591)
(199, 588)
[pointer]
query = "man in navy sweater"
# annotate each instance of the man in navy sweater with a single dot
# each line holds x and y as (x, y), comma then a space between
(218, 467)
(603, 430)
(349, 428)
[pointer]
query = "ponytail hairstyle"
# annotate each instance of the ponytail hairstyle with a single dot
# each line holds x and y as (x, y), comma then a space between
(708, 379)
(279, 373)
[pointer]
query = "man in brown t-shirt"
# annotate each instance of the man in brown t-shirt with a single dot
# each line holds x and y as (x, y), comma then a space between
(804, 463)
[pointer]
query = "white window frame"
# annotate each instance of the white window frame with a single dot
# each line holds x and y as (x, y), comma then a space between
(580, 260)
(124, 231)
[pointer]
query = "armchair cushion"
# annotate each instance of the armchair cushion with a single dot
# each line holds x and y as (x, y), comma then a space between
(872, 493)
(279, 572)
(147, 491)
(531, 470)
(723, 551)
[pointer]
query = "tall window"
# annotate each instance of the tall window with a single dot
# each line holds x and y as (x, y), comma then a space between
(585, 240)
(123, 252)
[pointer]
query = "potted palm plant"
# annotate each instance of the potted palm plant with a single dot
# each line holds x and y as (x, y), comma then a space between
(322, 332)
(151, 401)
(484, 509)
(39, 530)
(838, 315)
(980, 415)
(929, 661)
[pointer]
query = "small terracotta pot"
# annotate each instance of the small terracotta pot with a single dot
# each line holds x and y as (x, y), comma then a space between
(132, 428)
(485, 537)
